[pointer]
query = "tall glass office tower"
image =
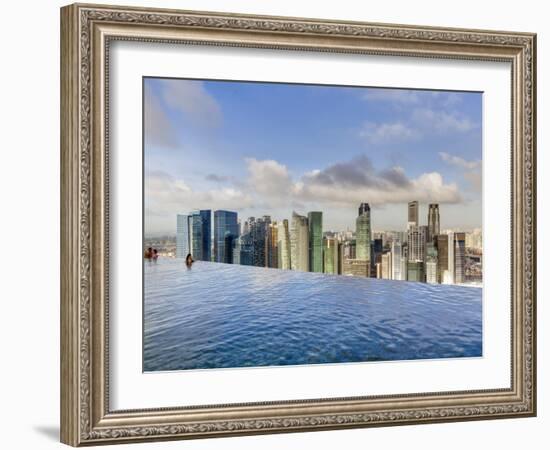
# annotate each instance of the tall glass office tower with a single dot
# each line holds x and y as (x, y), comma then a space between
(299, 243)
(330, 255)
(460, 256)
(433, 221)
(315, 221)
(396, 255)
(417, 242)
(413, 213)
(182, 236)
(195, 239)
(206, 216)
(226, 229)
(283, 245)
(363, 234)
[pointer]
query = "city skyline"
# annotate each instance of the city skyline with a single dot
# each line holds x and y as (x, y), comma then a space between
(422, 253)
(259, 148)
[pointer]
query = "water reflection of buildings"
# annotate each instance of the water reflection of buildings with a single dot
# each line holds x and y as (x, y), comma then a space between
(422, 253)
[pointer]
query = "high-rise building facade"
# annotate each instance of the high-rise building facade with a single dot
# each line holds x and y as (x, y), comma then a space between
(363, 234)
(442, 243)
(417, 242)
(196, 241)
(226, 230)
(460, 257)
(415, 271)
(245, 248)
(431, 263)
(206, 218)
(299, 243)
(412, 217)
(363, 209)
(259, 229)
(386, 266)
(474, 239)
(330, 255)
(315, 222)
(273, 246)
(283, 244)
(433, 221)
(396, 256)
(182, 236)
(449, 274)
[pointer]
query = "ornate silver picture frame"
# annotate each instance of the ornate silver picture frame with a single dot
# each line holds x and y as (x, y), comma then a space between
(87, 33)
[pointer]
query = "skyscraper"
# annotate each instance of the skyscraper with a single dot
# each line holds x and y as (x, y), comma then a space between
(226, 229)
(431, 263)
(272, 246)
(415, 271)
(315, 222)
(363, 208)
(330, 255)
(442, 242)
(449, 273)
(299, 243)
(386, 266)
(460, 257)
(196, 241)
(259, 232)
(182, 236)
(283, 245)
(245, 247)
(417, 242)
(396, 261)
(206, 217)
(413, 213)
(433, 221)
(363, 233)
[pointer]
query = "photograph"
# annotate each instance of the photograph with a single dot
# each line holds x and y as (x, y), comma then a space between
(291, 224)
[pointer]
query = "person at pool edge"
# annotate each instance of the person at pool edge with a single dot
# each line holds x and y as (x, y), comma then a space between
(189, 260)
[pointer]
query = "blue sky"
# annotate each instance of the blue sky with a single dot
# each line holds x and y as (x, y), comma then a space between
(265, 148)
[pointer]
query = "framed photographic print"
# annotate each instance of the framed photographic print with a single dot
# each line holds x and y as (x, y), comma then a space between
(275, 224)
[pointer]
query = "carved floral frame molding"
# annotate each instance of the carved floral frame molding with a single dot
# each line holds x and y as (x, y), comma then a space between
(86, 33)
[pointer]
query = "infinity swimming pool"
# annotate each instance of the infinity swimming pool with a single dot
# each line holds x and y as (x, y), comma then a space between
(221, 315)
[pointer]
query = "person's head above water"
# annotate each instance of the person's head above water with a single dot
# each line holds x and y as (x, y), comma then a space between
(189, 259)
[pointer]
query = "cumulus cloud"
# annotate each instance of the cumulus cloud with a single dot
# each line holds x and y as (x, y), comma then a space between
(187, 98)
(191, 98)
(471, 170)
(457, 161)
(441, 121)
(158, 128)
(420, 114)
(351, 182)
(381, 132)
(269, 186)
(166, 195)
(269, 178)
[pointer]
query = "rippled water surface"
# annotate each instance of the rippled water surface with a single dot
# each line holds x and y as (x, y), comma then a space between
(221, 315)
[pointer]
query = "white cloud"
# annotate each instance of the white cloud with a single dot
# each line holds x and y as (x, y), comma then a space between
(441, 121)
(270, 187)
(457, 161)
(346, 184)
(377, 133)
(471, 169)
(166, 195)
(184, 97)
(158, 128)
(404, 96)
(191, 98)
